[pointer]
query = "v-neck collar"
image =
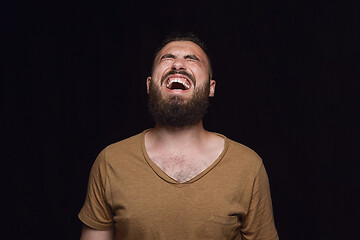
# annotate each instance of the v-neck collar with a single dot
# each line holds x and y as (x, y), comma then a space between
(169, 179)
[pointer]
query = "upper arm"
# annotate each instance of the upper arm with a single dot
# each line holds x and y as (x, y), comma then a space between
(97, 210)
(259, 221)
(92, 234)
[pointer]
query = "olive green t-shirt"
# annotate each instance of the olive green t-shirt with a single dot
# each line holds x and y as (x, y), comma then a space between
(229, 200)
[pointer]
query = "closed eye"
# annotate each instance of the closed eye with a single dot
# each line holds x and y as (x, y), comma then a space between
(168, 56)
(192, 57)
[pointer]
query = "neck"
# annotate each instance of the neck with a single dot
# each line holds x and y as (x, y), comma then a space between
(178, 136)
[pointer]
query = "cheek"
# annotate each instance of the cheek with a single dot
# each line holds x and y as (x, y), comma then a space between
(199, 69)
(202, 74)
(160, 70)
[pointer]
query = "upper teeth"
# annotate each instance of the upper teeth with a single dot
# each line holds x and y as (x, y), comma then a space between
(178, 80)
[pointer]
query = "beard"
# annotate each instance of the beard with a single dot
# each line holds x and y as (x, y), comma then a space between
(175, 111)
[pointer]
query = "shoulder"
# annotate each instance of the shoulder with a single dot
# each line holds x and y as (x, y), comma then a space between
(243, 150)
(243, 157)
(125, 144)
(123, 150)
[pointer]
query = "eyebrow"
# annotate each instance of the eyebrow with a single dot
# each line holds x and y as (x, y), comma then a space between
(193, 57)
(169, 55)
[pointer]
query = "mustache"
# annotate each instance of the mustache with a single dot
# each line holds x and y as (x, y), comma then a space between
(182, 72)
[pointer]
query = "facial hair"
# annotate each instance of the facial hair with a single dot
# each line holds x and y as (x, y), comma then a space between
(175, 111)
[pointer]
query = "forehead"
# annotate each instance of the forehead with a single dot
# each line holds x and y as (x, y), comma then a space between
(182, 48)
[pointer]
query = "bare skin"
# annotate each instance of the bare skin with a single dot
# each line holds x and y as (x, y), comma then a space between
(183, 153)
(92, 234)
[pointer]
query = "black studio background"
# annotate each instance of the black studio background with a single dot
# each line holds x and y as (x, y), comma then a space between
(287, 76)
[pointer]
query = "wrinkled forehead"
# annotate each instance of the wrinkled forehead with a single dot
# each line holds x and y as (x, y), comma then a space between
(183, 48)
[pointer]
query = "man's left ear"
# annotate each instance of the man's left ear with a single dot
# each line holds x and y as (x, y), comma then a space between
(212, 88)
(148, 84)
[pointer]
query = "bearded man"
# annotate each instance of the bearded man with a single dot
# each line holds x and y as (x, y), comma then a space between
(178, 180)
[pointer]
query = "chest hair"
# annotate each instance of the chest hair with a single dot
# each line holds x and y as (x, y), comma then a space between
(182, 168)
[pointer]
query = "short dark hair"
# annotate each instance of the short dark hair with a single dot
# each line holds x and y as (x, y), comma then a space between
(189, 36)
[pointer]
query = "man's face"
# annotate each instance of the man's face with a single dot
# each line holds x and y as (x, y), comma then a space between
(180, 68)
(180, 84)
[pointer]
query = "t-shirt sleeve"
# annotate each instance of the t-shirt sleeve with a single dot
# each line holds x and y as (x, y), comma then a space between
(96, 211)
(259, 222)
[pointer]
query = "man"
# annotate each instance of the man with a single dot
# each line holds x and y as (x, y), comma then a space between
(177, 180)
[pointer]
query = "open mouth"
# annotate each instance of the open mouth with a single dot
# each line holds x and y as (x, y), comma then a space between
(178, 83)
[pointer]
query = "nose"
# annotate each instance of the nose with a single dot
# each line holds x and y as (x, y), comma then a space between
(178, 64)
